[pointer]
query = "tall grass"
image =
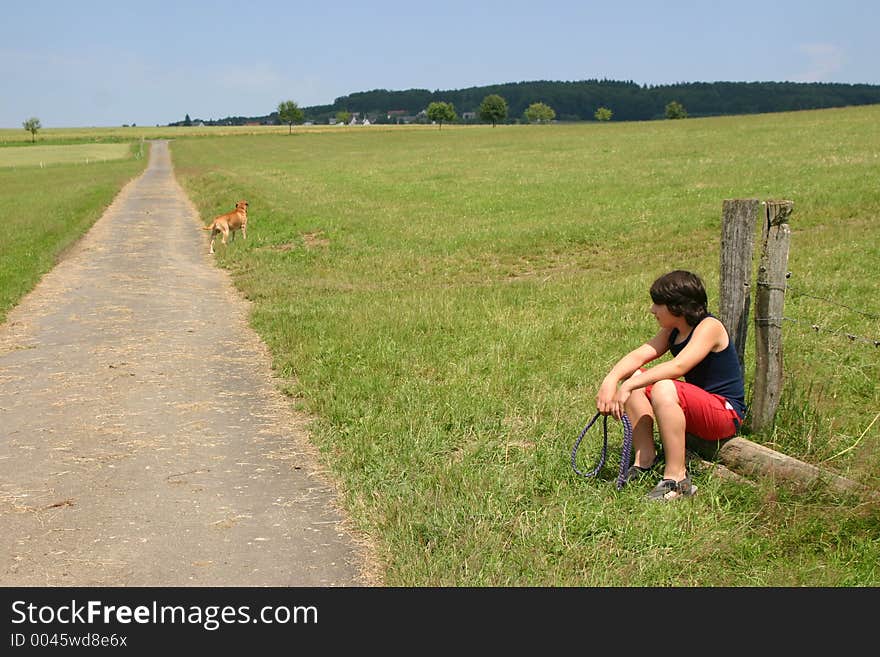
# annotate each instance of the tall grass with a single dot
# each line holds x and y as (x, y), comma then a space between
(445, 304)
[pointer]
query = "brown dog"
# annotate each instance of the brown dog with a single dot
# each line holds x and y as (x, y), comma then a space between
(229, 223)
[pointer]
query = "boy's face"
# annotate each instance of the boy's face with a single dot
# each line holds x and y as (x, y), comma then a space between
(661, 313)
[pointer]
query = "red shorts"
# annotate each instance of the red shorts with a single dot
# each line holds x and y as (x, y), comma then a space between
(709, 416)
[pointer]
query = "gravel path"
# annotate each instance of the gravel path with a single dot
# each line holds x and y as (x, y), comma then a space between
(142, 438)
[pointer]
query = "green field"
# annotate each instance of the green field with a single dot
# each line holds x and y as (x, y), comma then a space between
(10, 136)
(67, 154)
(445, 303)
(20, 137)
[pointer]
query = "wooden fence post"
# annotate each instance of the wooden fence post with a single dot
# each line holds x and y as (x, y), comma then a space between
(737, 248)
(769, 300)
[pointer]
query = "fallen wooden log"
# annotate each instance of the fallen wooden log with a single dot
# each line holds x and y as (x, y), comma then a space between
(720, 470)
(750, 459)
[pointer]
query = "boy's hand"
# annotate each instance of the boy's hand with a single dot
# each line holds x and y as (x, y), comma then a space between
(611, 400)
(623, 393)
(605, 398)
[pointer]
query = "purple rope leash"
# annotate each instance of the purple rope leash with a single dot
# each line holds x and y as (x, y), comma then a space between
(626, 452)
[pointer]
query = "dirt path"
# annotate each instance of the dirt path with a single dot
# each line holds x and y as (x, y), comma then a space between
(142, 439)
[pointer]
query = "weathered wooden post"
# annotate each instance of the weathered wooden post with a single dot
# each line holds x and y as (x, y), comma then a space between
(737, 248)
(769, 300)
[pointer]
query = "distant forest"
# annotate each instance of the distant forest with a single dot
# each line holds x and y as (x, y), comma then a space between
(578, 101)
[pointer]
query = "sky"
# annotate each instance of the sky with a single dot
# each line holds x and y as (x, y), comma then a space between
(109, 63)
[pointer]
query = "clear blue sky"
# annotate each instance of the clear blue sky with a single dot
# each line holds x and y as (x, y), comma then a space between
(105, 63)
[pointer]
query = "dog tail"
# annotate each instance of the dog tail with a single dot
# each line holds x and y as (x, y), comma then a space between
(209, 226)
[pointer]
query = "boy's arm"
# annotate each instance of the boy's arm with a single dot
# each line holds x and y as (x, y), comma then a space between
(707, 335)
(627, 366)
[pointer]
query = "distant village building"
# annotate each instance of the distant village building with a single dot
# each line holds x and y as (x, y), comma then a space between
(400, 116)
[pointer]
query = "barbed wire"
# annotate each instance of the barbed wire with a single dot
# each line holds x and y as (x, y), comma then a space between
(821, 329)
(796, 292)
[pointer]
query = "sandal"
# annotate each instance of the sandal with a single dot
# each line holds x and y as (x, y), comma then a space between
(636, 471)
(668, 490)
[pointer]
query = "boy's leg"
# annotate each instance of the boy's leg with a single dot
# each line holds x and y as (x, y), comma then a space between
(671, 425)
(641, 415)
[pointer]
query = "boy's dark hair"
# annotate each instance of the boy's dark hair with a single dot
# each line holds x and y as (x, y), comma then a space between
(683, 293)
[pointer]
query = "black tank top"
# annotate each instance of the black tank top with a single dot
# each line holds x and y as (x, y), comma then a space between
(717, 373)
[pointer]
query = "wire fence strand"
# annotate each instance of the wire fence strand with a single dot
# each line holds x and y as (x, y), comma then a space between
(796, 291)
(821, 329)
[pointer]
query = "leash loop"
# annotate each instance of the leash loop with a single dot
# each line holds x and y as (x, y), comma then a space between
(577, 445)
(626, 452)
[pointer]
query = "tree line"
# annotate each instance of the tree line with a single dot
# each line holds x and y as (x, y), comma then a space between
(581, 100)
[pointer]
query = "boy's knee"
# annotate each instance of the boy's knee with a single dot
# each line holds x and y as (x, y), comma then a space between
(664, 392)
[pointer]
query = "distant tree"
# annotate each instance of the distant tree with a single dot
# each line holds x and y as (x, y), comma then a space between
(32, 125)
(440, 112)
(603, 114)
(539, 113)
(493, 109)
(187, 121)
(675, 110)
(343, 116)
(290, 113)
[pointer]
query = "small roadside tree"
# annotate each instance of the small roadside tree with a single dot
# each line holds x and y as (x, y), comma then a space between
(343, 116)
(539, 113)
(290, 113)
(493, 109)
(440, 112)
(603, 114)
(675, 110)
(32, 125)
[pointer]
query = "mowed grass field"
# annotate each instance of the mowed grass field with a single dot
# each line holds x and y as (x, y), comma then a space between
(445, 304)
(50, 135)
(47, 136)
(67, 154)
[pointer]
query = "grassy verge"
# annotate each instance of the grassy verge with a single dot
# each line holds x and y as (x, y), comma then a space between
(444, 303)
(45, 210)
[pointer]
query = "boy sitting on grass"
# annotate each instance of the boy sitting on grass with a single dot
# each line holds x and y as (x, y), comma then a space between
(709, 403)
